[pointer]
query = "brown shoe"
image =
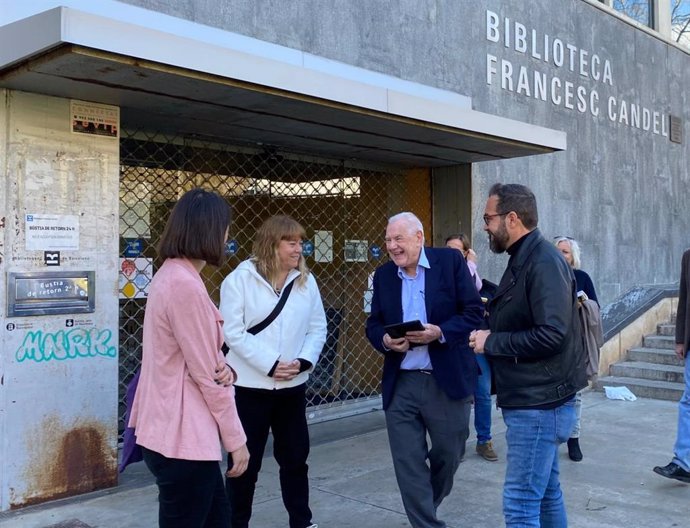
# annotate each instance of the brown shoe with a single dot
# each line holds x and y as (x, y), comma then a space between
(486, 451)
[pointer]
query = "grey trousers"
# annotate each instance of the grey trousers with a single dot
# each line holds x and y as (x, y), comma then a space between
(419, 407)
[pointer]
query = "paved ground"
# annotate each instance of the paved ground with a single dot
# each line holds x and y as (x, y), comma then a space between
(352, 482)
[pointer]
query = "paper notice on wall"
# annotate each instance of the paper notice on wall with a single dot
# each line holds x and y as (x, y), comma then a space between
(95, 119)
(135, 277)
(356, 250)
(368, 296)
(52, 232)
(323, 246)
(135, 209)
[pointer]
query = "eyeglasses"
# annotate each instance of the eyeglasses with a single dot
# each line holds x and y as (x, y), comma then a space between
(487, 218)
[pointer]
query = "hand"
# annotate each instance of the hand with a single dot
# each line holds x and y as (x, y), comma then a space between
(478, 340)
(423, 337)
(240, 461)
(225, 376)
(401, 344)
(286, 370)
(471, 255)
(680, 350)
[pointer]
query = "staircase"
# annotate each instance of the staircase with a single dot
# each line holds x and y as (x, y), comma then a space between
(652, 370)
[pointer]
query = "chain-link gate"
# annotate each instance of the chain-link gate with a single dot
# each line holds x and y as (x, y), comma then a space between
(343, 208)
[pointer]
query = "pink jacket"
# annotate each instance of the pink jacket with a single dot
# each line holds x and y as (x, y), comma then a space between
(179, 411)
(475, 274)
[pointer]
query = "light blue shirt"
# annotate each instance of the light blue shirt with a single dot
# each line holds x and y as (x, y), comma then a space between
(413, 307)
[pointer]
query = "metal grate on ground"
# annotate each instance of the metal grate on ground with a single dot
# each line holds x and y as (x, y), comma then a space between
(342, 205)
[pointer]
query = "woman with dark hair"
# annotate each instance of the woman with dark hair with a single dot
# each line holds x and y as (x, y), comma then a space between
(273, 364)
(570, 249)
(184, 407)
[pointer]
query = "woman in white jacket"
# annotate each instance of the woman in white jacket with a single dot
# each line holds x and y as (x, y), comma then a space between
(273, 365)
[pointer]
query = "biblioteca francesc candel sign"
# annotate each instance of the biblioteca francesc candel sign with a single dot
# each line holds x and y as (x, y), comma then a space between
(575, 78)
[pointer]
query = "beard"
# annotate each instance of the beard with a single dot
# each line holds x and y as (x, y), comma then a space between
(498, 241)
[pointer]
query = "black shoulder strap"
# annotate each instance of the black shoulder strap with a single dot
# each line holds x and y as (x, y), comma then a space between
(270, 317)
(276, 311)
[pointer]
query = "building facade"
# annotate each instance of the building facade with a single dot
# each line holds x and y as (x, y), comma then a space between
(340, 114)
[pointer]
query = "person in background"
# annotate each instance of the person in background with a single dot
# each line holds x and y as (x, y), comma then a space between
(462, 243)
(571, 252)
(482, 395)
(679, 467)
(537, 354)
(429, 376)
(273, 365)
(183, 409)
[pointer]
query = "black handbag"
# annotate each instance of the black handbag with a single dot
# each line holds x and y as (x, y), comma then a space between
(270, 317)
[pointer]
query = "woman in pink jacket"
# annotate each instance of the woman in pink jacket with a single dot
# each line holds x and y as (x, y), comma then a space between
(181, 411)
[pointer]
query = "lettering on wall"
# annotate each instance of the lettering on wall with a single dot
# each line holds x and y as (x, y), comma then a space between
(567, 75)
(40, 346)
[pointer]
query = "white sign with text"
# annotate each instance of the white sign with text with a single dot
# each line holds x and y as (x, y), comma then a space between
(52, 232)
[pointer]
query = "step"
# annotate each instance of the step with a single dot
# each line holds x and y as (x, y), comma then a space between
(650, 371)
(657, 341)
(642, 388)
(666, 329)
(663, 356)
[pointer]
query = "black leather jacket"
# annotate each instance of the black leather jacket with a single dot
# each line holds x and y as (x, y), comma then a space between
(535, 347)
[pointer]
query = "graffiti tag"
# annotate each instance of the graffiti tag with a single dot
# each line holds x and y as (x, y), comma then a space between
(41, 346)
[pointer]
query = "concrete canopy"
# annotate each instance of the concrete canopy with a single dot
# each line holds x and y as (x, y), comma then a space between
(266, 95)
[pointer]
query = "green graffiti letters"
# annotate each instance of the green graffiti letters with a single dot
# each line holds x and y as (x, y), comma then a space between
(41, 346)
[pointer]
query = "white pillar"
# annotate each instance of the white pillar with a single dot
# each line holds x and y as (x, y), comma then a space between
(59, 390)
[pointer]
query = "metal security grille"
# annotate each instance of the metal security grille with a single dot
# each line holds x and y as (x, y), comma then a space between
(342, 206)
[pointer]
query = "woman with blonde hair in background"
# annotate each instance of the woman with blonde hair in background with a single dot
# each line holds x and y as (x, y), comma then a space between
(570, 249)
(273, 350)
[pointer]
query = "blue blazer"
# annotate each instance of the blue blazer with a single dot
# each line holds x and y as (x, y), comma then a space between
(452, 303)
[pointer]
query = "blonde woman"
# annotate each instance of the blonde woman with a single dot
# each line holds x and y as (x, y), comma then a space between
(274, 362)
(570, 250)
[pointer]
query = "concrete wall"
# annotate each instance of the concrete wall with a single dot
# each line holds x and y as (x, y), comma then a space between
(4, 185)
(58, 388)
(618, 188)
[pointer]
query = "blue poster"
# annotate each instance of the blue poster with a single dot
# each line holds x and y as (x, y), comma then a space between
(133, 247)
(375, 251)
(308, 248)
(231, 247)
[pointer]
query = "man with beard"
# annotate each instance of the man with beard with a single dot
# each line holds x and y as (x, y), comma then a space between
(536, 351)
(429, 375)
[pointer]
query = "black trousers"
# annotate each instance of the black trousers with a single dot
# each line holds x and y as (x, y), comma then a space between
(190, 492)
(283, 412)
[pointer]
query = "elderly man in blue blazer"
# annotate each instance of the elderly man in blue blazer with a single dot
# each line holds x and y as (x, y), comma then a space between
(429, 375)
